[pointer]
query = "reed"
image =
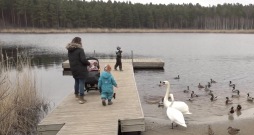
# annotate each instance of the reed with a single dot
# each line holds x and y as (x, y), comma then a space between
(108, 30)
(21, 104)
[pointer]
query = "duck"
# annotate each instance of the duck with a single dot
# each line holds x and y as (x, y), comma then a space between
(209, 85)
(239, 107)
(212, 81)
(200, 86)
(206, 89)
(210, 92)
(234, 90)
(231, 84)
(233, 131)
(190, 99)
(175, 115)
(179, 105)
(231, 111)
(178, 77)
(193, 94)
(160, 104)
(187, 91)
(249, 98)
(213, 98)
(210, 131)
(229, 101)
(236, 95)
(159, 84)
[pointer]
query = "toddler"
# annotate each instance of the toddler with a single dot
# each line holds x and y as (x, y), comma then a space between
(106, 82)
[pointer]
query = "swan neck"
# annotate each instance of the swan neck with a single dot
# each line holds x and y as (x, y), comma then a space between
(166, 95)
(172, 98)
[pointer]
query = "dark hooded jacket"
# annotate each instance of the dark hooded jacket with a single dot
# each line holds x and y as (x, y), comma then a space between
(77, 60)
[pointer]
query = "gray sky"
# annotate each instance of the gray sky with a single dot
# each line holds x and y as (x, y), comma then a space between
(201, 2)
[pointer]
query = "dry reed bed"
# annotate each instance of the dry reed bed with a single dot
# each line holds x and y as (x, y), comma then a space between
(105, 30)
(21, 105)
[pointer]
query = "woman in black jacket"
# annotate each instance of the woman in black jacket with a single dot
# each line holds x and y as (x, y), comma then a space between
(78, 66)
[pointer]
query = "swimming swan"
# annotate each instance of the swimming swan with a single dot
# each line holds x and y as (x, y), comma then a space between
(175, 115)
(179, 105)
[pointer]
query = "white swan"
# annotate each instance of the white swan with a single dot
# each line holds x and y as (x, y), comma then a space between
(175, 115)
(179, 105)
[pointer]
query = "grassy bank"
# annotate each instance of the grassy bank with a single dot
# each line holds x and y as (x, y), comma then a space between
(21, 105)
(98, 30)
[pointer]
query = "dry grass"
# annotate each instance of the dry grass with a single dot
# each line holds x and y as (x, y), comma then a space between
(105, 30)
(21, 105)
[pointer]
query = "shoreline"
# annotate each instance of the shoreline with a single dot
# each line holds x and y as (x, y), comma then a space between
(105, 30)
(162, 127)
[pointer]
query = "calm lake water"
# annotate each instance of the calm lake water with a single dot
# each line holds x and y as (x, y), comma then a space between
(195, 57)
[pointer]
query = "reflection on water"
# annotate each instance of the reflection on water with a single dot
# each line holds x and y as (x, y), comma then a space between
(238, 113)
(197, 59)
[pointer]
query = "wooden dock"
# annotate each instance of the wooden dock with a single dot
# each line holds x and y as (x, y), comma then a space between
(137, 63)
(91, 118)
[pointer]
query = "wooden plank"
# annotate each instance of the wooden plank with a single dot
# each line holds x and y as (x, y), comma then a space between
(48, 133)
(54, 127)
(132, 128)
(137, 121)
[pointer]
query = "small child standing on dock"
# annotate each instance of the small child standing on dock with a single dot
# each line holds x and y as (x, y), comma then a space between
(106, 82)
(118, 58)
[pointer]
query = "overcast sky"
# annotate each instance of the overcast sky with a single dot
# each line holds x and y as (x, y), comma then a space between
(201, 2)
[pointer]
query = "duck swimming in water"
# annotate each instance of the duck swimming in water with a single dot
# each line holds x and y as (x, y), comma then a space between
(212, 81)
(239, 107)
(210, 92)
(178, 77)
(233, 131)
(160, 104)
(206, 89)
(213, 98)
(231, 111)
(234, 90)
(249, 98)
(228, 101)
(231, 84)
(236, 95)
(209, 85)
(200, 86)
(193, 94)
(187, 91)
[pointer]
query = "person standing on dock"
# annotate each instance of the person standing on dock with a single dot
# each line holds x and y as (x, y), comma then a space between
(106, 82)
(118, 58)
(78, 66)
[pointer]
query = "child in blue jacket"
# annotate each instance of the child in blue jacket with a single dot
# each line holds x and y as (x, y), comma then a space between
(106, 82)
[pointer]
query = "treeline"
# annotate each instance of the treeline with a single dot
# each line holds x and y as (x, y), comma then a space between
(99, 14)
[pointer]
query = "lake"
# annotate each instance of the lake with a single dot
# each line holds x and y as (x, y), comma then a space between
(197, 58)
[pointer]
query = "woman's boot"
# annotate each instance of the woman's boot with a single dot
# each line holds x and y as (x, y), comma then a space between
(82, 100)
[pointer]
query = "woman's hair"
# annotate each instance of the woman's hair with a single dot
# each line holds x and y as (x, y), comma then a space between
(76, 40)
(107, 68)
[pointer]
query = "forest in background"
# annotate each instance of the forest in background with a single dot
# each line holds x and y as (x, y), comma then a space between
(62, 14)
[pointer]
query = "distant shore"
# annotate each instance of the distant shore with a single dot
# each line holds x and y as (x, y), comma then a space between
(98, 30)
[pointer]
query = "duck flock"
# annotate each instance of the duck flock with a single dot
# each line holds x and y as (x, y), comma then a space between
(176, 109)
